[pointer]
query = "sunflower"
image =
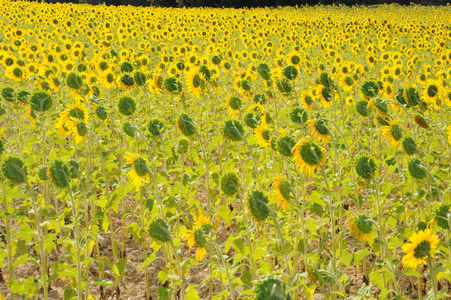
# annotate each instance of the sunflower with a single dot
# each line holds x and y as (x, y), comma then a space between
(282, 191)
(78, 129)
(198, 237)
(361, 227)
(432, 92)
(233, 106)
(319, 130)
(139, 172)
(422, 245)
(108, 79)
(308, 156)
(393, 133)
(262, 135)
(306, 101)
(75, 111)
(195, 81)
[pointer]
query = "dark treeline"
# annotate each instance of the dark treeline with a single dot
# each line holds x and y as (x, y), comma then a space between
(247, 3)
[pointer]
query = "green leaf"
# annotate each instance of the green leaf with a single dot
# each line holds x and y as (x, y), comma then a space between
(121, 265)
(191, 293)
(163, 277)
(150, 259)
(346, 258)
(410, 272)
(164, 294)
(359, 255)
(102, 282)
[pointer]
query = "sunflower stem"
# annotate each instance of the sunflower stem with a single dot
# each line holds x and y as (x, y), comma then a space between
(8, 240)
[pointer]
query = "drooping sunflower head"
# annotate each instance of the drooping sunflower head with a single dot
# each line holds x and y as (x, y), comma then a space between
(258, 205)
(409, 146)
(362, 108)
(319, 129)
(14, 169)
(361, 227)
(393, 133)
(370, 89)
(271, 288)
(159, 231)
(443, 216)
(233, 130)
(282, 191)
(262, 135)
(140, 170)
(416, 168)
(365, 167)
(186, 125)
(421, 121)
(422, 245)
(229, 184)
(308, 156)
(285, 145)
(234, 106)
(298, 115)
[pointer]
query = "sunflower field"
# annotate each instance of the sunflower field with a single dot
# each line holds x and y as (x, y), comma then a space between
(285, 153)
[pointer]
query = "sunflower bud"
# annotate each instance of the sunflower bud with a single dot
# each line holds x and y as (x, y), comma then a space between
(365, 167)
(298, 115)
(271, 288)
(129, 129)
(416, 168)
(60, 174)
(362, 108)
(126, 106)
(159, 231)
(285, 145)
(233, 130)
(182, 146)
(40, 101)
(101, 113)
(14, 169)
(74, 81)
(409, 146)
(8, 94)
(257, 202)
(370, 89)
(443, 216)
(155, 127)
(186, 125)
(229, 184)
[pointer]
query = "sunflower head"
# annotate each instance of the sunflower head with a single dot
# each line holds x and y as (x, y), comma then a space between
(370, 89)
(186, 125)
(129, 129)
(258, 205)
(282, 191)
(362, 108)
(308, 156)
(40, 101)
(290, 72)
(271, 288)
(443, 216)
(8, 94)
(365, 167)
(285, 144)
(101, 113)
(182, 146)
(422, 245)
(361, 227)
(412, 96)
(172, 85)
(230, 184)
(233, 130)
(319, 129)
(298, 115)
(74, 81)
(14, 169)
(417, 169)
(155, 127)
(60, 174)
(409, 146)
(421, 121)
(139, 78)
(126, 105)
(158, 230)
(264, 71)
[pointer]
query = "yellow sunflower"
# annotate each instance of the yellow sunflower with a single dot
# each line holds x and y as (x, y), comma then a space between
(75, 111)
(282, 192)
(139, 172)
(233, 106)
(392, 132)
(432, 92)
(195, 81)
(308, 156)
(319, 130)
(262, 135)
(198, 237)
(78, 129)
(422, 245)
(361, 227)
